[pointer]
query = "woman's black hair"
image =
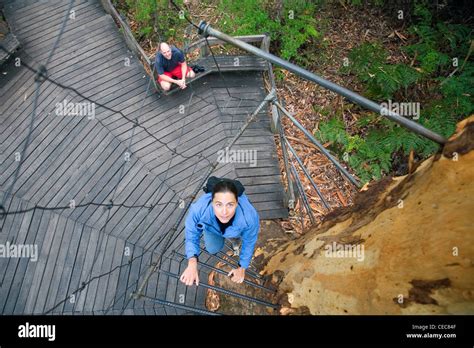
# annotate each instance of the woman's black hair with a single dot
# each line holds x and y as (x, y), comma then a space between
(216, 185)
(225, 186)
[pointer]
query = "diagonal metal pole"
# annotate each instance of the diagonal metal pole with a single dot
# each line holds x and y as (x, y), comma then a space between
(319, 145)
(305, 171)
(205, 29)
(291, 191)
(302, 193)
(179, 306)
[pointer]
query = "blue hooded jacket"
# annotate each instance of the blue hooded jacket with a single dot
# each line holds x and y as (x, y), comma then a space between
(201, 217)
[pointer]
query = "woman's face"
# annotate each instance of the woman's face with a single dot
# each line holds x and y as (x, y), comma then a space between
(224, 204)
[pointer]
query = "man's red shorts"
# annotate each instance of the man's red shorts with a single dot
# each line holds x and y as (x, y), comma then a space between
(175, 73)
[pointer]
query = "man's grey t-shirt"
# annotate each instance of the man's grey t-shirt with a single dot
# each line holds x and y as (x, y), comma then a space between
(162, 64)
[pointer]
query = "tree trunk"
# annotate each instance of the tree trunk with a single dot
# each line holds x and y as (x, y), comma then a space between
(405, 247)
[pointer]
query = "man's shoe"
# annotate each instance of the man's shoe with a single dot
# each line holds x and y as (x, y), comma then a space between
(198, 68)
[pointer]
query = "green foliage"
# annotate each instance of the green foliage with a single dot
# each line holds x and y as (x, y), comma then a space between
(450, 95)
(382, 80)
(155, 18)
(295, 27)
(370, 157)
(438, 42)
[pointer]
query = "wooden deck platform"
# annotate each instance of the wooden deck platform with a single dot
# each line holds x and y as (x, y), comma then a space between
(81, 159)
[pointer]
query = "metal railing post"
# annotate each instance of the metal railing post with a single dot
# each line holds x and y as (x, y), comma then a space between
(319, 145)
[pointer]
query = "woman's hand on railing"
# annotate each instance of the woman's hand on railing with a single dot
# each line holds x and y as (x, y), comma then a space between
(190, 274)
(237, 275)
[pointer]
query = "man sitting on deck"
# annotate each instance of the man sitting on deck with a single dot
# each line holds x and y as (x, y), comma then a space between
(171, 66)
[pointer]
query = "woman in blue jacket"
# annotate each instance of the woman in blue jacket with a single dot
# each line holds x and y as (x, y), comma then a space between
(225, 212)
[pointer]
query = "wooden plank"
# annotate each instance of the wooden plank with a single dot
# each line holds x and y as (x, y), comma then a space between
(121, 293)
(178, 178)
(60, 168)
(30, 8)
(46, 36)
(50, 224)
(19, 133)
(49, 263)
(193, 136)
(173, 134)
(132, 220)
(172, 293)
(266, 197)
(268, 179)
(81, 185)
(199, 144)
(265, 188)
(118, 212)
(14, 6)
(34, 19)
(152, 238)
(112, 283)
(106, 266)
(88, 53)
(152, 284)
(21, 276)
(163, 123)
(35, 237)
(8, 229)
(34, 167)
(127, 194)
(105, 167)
(133, 276)
(201, 297)
(13, 134)
(62, 154)
(162, 282)
(281, 213)
(257, 172)
(131, 179)
(140, 227)
(84, 64)
(77, 266)
(72, 59)
(136, 274)
(69, 259)
(160, 311)
(116, 83)
(78, 41)
(18, 236)
(56, 293)
(97, 260)
(87, 269)
(13, 78)
(103, 215)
